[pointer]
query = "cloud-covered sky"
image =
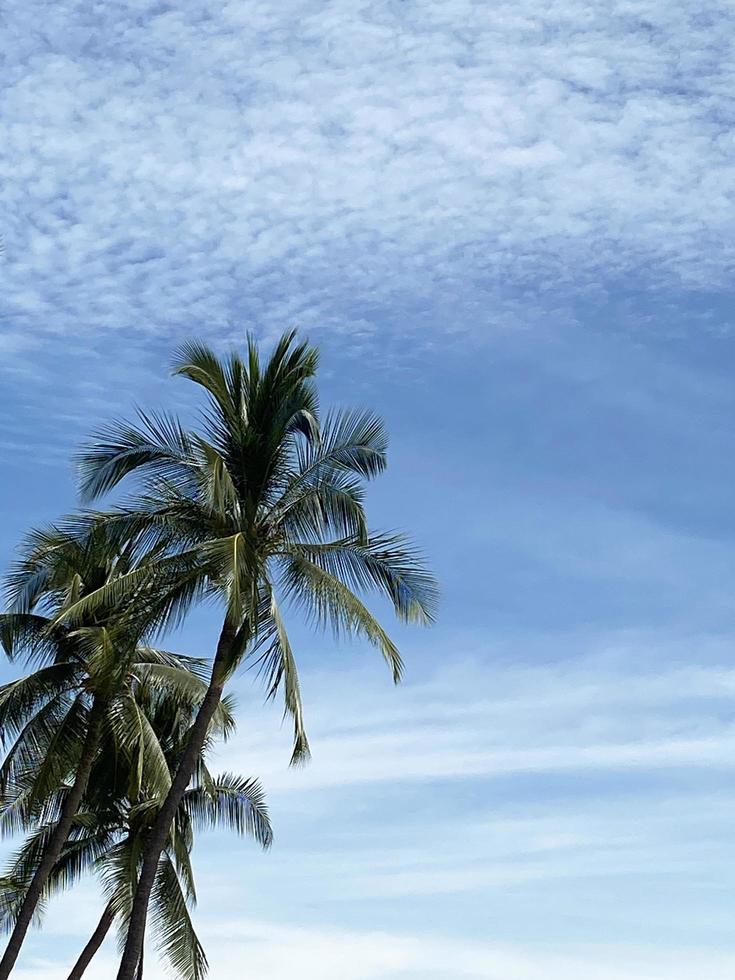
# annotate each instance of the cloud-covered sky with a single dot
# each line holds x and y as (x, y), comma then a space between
(326, 163)
(509, 227)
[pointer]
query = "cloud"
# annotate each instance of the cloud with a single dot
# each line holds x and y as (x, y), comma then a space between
(264, 949)
(358, 164)
(585, 716)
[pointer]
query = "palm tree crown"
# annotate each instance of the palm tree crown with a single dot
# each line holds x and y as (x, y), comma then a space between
(80, 690)
(264, 506)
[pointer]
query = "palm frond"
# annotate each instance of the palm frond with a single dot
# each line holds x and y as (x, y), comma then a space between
(134, 734)
(324, 503)
(24, 757)
(175, 935)
(278, 666)
(34, 638)
(386, 563)
(230, 802)
(158, 445)
(331, 603)
(119, 874)
(353, 440)
(21, 699)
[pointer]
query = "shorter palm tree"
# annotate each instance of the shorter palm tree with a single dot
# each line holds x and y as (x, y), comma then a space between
(110, 829)
(53, 720)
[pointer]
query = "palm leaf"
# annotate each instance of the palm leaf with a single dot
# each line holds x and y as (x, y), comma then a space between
(175, 935)
(233, 803)
(330, 603)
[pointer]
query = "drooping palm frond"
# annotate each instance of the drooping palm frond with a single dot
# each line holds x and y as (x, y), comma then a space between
(82, 851)
(278, 667)
(329, 603)
(36, 639)
(385, 564)
(176, 938)
(44, 732)
(232, 803)
(22, 698)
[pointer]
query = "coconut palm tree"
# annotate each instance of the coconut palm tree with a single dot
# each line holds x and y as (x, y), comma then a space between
(111, 825)
(261, 507)
(79, 690)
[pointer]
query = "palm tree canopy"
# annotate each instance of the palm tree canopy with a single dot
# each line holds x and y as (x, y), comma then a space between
(105, 656)
(263, 507)
(110, 829)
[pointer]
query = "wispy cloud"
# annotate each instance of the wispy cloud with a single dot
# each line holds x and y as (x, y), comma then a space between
(266, 950)
(582, 716)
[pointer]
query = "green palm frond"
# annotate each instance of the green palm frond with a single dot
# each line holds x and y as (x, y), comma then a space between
(352, 440)
(133, 733)
(157, 444)
(200, 364)
(386, 563)
(230, 802)
(34, 639)
(175, 935)
(119, 874)
(218, 490)
(188, 690)
(78, 858)
(329, 603)
(61, 754)
(278, 666)
(182, 841)
(12, 893)
(25, 755)
(22, 698)
(153, 657)
(322, 504)
(44, 753)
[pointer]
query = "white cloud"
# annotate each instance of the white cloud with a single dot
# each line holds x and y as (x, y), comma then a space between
(291, 163)
(262, 949)
(474, 720)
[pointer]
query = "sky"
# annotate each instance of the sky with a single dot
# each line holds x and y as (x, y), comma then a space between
(509, 229)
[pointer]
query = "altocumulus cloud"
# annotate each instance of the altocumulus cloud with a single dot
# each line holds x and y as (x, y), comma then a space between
(166, 166)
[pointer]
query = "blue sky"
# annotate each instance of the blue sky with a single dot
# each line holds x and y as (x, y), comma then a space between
(509, 228)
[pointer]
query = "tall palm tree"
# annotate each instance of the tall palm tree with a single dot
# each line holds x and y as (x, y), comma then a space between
(111, 825)
(261, 507)
(53, 720)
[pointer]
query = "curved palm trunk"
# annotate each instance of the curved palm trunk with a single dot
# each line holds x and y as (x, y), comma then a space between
(56, 841)
(96, 940)
(162, 826)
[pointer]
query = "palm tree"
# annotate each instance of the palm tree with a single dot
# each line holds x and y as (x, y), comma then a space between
(261, 507)
(110, 828)
(53, 720)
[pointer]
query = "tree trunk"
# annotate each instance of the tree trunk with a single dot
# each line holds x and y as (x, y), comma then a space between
(139, 973)
(98, 936)
(162, 825)
(56, 841)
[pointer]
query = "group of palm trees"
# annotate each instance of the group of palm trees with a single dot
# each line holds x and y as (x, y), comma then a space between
(259, 508)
